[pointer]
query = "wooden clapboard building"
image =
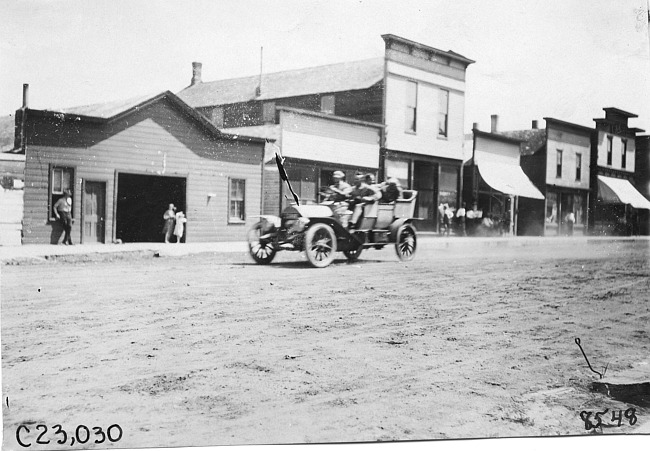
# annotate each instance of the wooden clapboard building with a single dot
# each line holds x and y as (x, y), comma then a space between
(126, 161)
(400, 115)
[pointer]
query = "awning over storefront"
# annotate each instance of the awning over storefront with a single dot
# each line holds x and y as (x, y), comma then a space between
(509, 179)
(612, 190)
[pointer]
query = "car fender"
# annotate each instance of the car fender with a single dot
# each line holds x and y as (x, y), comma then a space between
(395, 225)
(339, 230)
(270, 222)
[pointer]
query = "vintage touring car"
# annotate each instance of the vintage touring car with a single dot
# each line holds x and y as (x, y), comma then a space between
(320, 231)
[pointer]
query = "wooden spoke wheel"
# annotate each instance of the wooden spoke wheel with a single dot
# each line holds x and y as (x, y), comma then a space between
(406, 242)
(320, 245)
(262, 250)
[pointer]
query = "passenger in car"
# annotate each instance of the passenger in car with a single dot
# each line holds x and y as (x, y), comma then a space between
(363, 193)
(340, 190)
(391, 190)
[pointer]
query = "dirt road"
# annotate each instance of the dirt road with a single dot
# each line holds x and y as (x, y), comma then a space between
(212, 349)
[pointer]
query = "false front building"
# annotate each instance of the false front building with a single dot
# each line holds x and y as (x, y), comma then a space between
(400, 115)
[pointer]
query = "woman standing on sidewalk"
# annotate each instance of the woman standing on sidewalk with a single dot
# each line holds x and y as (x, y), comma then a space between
(169, 218)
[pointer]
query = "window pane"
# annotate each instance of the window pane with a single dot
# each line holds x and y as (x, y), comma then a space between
(327, 104)
(579, 208)
(411, 94)
(448, 185)
(67, 179)
(268, 112)
(57, 177)
(551, 208)
(399, 170)
(578, 167)
(442, 124)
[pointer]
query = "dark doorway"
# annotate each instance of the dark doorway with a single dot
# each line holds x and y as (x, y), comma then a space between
(425, 175)
(141, 202)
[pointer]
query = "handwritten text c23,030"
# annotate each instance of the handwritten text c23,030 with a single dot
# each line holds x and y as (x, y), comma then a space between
(81, 435)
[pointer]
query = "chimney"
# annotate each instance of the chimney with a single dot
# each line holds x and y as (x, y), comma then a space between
(535, 126)
(475, 126)
(494, 122)
(25, 95)
(196, 73)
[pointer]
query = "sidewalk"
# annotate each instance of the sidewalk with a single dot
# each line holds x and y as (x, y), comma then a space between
(425, 240)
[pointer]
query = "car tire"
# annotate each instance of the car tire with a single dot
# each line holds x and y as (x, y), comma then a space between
(262, 251)
(353, 254)
(406, 242)
(320, 245)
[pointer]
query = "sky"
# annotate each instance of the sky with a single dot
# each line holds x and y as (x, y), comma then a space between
(565, 59)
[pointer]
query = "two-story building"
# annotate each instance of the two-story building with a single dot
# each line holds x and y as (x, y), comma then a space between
(494, 182)
(615, 204)
(557, 160)
(400, 116)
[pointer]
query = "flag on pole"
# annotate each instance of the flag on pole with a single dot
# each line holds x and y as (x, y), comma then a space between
(283, 175)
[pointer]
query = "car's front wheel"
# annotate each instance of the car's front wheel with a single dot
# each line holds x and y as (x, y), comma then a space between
(320, 245)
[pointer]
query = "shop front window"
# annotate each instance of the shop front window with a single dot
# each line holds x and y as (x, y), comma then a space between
(448, 185)
(398, 169)
(551, 208)
(579, 208)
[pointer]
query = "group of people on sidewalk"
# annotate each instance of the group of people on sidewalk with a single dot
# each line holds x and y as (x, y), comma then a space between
(174, 224)
(350, 200)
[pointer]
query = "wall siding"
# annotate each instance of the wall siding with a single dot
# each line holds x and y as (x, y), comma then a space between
(158, 140)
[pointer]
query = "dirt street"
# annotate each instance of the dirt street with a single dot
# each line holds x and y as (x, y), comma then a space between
(212, 349)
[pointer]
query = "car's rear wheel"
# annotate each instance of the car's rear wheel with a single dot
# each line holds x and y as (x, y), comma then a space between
(406, 242)
(261, 249)
(320, 245)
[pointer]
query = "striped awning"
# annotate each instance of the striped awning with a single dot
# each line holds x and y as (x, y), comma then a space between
(509, 179)
(620, 191)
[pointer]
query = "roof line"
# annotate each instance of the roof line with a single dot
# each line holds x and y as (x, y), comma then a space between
(449, 53)
(256, 77)
(568, 124)
(498, 137)
(184, 108)
(330, 117)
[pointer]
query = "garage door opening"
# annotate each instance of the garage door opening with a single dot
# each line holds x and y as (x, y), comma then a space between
(141, 202)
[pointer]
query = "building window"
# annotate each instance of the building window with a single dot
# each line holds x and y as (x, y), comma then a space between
(398, 169)
(237, 200)
(579, 208)
(609, 150)
(268, 112)
(216, 117)
(551, 208)
(443, 112)
(411, 106)
(624, 154)
(61, 179)
(327, 104)
(578, 167)
(558, 163)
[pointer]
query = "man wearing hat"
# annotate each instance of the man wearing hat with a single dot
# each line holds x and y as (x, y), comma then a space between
(340, 189)
(63, 213)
